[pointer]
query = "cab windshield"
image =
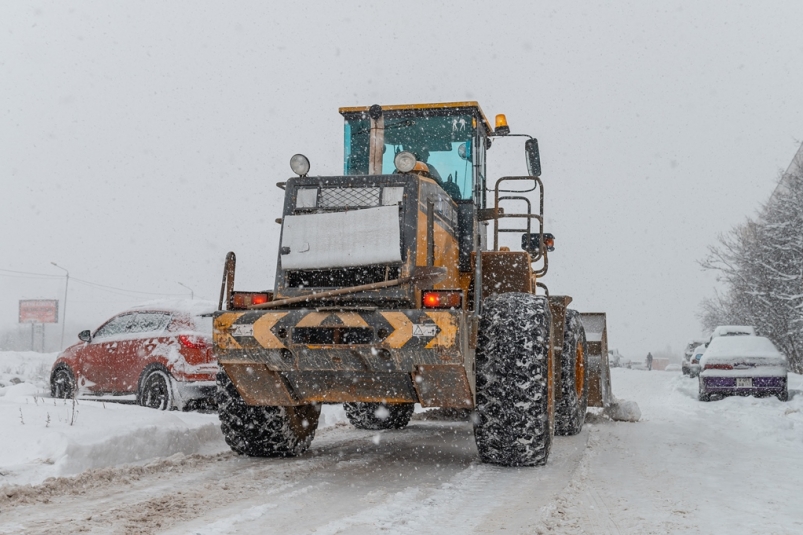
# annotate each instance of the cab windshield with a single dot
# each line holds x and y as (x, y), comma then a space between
(443, 142)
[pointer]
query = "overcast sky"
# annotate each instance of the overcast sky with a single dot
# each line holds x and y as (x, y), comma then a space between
(141, 141)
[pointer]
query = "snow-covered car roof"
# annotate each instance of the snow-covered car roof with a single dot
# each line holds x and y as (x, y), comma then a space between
(726, 330)
(726, 348)
(192, 307)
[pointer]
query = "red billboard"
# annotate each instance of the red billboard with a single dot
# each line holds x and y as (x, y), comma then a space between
(39, 311)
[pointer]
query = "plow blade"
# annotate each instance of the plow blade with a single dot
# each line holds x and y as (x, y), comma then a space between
(599, 374)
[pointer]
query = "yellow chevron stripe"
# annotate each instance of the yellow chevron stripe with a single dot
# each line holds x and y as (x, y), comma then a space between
(402, 329)
(313, 319)
(447, 323)
(263, 333)
(220, 332)
(352, 319)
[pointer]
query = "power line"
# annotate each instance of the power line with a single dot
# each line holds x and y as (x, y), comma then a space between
(29, 273)
(32, 275)
(105, 287)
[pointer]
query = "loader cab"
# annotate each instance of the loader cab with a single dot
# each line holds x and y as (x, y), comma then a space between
(450, 138)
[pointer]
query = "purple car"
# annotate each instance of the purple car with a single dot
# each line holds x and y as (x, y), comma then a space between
(743, 365)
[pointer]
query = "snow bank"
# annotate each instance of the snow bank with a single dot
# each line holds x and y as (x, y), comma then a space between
(736, 419)
(42, 437)
(24, 367)
(623, 411)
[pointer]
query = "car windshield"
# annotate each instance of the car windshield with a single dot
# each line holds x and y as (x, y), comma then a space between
(443, 142)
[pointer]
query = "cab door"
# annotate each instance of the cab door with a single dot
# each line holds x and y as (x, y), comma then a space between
(146, 334)
(99, 354)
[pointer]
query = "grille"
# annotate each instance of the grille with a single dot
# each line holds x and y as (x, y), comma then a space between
(339, 278)
(333, 335)
(349, 197)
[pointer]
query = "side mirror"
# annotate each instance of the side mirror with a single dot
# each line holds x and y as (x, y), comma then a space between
(532, 242)
(85, 336)
(533, 157)
(464, 151)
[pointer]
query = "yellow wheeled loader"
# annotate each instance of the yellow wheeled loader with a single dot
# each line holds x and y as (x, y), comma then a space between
(387, 293)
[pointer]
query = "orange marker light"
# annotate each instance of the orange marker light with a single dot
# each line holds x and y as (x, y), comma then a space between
(442, 299)
(501, 128)
(432, 300)
(243, 300)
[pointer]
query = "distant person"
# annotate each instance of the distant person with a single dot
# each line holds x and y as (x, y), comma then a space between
(649, 361)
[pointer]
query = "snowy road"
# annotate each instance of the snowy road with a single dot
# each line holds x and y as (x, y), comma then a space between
(424, 479)
(730, 466)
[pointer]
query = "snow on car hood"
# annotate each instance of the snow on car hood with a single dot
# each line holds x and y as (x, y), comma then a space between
(754, 350)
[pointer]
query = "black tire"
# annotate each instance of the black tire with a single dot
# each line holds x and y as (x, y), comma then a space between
(260, 431)
(376, 416)
(702, 395)
(513, 426)
(62, 383)
(784, 394)
(155, 389)
(570, 409)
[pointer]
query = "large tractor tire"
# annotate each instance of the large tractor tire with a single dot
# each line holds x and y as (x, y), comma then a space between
(259, 431)
(570, 409)
(513, 426)
(376, 416)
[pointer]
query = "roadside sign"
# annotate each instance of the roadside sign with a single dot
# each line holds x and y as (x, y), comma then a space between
(39, 311)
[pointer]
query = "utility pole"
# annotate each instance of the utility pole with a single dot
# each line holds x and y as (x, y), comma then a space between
(64, 314)
(192, 292)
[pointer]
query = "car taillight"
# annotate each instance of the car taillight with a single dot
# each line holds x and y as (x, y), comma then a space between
(193, 342)
(243, 300)
(442, 299)
(718, 367)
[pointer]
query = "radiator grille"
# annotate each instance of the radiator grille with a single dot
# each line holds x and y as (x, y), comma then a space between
(349, 197)
(341, 278)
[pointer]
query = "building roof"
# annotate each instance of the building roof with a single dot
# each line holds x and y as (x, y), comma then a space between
(795, 169)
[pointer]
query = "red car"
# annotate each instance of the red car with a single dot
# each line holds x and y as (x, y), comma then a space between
(160, 352)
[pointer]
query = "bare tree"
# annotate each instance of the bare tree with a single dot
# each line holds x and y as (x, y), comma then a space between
(760, 264)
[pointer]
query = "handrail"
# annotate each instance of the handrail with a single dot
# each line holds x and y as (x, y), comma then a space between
(528, 216)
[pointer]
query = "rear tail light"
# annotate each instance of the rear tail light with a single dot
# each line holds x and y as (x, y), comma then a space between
(243, 300)
(718, 367)
(442, 299)
(193, 342)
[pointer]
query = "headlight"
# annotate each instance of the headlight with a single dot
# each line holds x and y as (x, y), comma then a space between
(299, 164)
(404, 161)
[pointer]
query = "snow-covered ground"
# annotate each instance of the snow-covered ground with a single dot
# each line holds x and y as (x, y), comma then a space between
(730, 466)
(42, 437)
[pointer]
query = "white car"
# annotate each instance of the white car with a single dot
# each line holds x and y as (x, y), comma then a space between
(694, 361)
(743, 365)
(688, 353)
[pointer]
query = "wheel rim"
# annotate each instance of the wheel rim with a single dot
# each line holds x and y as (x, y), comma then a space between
(579, 367)
(156, 394)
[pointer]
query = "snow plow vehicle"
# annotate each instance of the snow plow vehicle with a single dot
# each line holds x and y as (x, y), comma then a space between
(391, 290)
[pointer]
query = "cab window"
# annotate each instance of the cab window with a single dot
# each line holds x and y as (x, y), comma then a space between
(444, 142)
